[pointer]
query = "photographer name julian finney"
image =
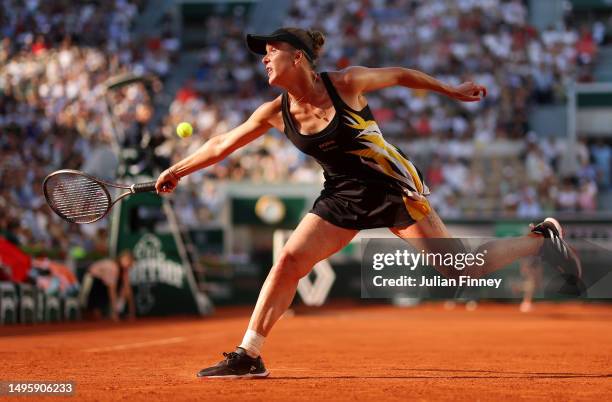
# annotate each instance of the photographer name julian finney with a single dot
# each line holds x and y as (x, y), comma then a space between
(436, 281)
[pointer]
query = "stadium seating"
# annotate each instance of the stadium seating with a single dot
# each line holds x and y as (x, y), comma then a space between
(51, 104)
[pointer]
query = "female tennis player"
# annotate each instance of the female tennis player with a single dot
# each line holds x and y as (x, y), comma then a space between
(369, 183)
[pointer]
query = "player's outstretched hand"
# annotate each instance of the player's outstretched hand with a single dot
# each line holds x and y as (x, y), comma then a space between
(469, 92)
(167, 181)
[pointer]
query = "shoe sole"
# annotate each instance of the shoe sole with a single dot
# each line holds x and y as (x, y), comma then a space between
(237, 377)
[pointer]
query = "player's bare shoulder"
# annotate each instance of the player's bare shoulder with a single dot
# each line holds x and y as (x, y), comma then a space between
(347, 84)
(346, 79)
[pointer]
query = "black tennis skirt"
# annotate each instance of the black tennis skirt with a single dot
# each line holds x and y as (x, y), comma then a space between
(361, 205)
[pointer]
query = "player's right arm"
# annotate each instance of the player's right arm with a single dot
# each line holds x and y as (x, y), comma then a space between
(219, 147)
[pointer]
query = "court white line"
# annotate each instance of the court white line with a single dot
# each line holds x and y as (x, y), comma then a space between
(136, 345)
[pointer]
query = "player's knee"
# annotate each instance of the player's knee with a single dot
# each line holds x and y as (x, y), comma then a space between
(291, 266)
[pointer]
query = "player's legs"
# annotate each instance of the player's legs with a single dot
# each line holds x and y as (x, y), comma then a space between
(500, 252)
(312, 241)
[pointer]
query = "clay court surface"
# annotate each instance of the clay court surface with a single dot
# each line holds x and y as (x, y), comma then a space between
(382, 353)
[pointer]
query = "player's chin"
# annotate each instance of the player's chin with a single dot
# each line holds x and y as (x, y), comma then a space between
(273, 79)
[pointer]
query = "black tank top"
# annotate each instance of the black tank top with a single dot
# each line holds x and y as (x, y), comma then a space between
(351, 149)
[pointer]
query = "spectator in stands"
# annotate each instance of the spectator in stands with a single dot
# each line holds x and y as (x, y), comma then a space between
(455, 173)
(8, 228)
(602, 156)
(587, 196)
(536, 165)
(528, 206)
(567, 198)
(586, 46)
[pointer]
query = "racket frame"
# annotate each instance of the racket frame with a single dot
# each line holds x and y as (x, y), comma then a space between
(103, 184)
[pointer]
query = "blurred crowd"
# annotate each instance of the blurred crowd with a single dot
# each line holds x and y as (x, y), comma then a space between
(479, 158)
(55, 58)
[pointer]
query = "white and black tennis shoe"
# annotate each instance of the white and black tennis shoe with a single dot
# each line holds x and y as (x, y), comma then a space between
(555, 250)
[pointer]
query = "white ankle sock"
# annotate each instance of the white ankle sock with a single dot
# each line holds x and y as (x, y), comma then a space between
(252, 343)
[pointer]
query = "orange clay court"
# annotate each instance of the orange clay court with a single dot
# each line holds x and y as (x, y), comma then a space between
(339, 352)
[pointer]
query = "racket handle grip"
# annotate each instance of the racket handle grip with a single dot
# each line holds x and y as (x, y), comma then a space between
(144, 187)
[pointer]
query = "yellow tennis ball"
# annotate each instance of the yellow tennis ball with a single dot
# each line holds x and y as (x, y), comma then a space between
(184, 130)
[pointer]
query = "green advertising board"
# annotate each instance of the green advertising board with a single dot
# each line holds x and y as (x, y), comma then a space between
(161, 277)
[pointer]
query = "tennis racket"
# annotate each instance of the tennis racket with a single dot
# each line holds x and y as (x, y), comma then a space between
(81, 198)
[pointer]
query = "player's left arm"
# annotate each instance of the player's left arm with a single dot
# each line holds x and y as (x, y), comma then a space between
(364, 79)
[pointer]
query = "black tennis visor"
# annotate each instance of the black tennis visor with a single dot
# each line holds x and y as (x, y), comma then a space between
(257, 43)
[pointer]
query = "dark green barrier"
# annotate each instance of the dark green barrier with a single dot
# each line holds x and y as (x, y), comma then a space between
(160, 278)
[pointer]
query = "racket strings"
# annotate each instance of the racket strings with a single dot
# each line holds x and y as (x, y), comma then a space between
(77, 198)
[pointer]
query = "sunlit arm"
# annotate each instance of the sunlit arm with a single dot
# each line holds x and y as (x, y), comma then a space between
(365, 79)
(217, 148)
